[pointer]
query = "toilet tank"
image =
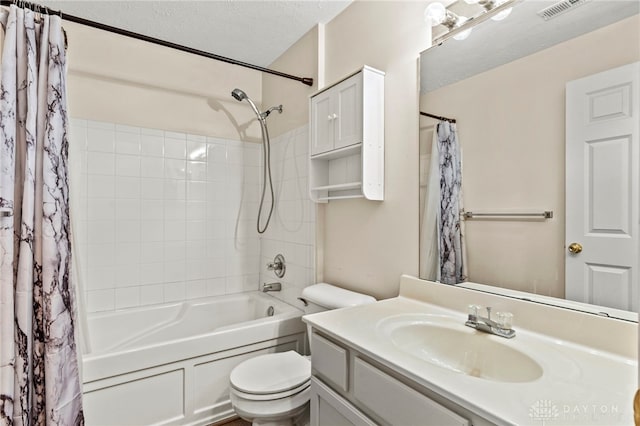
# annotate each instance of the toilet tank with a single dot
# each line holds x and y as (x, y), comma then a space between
(323, 297)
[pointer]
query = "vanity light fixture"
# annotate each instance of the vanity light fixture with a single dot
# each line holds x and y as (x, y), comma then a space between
(459, 26)
(489, 5)
(436, 14)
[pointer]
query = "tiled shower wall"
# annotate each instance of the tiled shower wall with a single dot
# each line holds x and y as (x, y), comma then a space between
(161, 216)
(292, 228)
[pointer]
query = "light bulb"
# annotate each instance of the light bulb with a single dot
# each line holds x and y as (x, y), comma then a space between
(435, 13)
(502, 14)
(464, 34)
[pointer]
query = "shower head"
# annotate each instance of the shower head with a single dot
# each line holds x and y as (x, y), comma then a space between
(239, 95)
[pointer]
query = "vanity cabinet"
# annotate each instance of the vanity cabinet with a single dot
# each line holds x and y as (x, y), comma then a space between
(350, 388)
(346, 152)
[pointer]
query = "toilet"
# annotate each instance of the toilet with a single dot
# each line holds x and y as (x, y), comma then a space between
(274, 389)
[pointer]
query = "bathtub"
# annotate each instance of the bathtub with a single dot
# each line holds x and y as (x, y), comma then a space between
(169, 364)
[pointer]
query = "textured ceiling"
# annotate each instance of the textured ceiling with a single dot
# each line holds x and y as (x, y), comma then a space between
(492, 43)
(256, 32)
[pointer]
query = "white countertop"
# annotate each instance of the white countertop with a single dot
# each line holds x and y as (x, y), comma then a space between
(579, 385)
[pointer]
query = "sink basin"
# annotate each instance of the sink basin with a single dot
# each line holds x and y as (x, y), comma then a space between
(448, 344)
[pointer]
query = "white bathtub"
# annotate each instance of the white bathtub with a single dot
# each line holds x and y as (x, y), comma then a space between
(169, 364)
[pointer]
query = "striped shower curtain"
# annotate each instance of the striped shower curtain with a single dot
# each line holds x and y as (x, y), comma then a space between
(39, 380)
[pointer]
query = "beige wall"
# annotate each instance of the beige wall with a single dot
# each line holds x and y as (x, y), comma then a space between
(301, 59)
(119, 79)
(513, 154)
(367, 244)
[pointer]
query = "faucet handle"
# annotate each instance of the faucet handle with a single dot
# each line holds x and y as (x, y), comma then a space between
(472, 310)
(505, 320)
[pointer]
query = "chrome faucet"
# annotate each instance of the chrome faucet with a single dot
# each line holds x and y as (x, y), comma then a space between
(501, 328)
(271, 287)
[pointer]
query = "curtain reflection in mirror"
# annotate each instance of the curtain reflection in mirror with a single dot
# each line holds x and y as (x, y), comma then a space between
(443, 257)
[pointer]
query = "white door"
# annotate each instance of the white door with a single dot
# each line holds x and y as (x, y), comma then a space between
(602, 188)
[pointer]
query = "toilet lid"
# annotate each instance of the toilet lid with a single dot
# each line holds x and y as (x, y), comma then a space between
(271, 373)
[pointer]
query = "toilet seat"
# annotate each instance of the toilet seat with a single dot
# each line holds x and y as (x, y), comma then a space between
(272, 396)
(271, 376)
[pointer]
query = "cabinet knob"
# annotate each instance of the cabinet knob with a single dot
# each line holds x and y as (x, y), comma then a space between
(329, 117)
(335, 116)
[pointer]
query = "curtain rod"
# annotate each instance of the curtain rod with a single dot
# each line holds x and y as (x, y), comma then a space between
(438, 117)
(43, 9)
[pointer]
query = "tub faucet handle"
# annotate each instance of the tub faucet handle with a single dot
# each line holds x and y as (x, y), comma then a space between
(277, 266)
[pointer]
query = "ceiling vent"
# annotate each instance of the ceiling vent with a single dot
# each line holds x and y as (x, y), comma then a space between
(559, 8)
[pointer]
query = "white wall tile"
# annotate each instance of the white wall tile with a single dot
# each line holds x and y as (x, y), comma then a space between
(101, 209)
(175, 168)
(175, 189)
(101, 255)
(127, 276)
(151, 145)
(100, 300)
(152, 230)
(196, 149)
(101, 277)
(216, 287)
(196, 170)
(174, 292)
(196, 289)
(101, 231)
(127, 209)
(152, 167)
(175, 250)
(152, 252)
(166, 216)
(175, 148)
(127, 254)
(151, 294)
(127, 142)
(101, 140)
(101, 163)
(152, 188)
(152, 209)
(127, 297)
(216, 152)
(152, 273)
(128, 231)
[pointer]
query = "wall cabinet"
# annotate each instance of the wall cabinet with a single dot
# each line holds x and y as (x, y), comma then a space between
(349, 388)
(346, 152)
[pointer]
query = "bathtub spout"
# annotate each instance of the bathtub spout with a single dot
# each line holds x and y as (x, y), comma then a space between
(271, 287)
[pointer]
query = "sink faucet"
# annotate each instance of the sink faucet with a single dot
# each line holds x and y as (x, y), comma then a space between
(501, 328)
(271, 287)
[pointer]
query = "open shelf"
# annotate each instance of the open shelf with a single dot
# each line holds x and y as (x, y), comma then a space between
(338, 186)
(337, 153)
(340, 197)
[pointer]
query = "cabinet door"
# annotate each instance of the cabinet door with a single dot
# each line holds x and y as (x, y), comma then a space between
(397, 403)
(348, 110)
(329, 408)
(322, 123)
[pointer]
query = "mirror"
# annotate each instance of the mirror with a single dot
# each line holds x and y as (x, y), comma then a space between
(505, 86)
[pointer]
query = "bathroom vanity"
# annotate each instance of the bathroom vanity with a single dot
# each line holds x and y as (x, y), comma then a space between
(411, 360)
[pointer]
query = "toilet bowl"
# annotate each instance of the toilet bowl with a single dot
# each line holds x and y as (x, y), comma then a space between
(274, 389)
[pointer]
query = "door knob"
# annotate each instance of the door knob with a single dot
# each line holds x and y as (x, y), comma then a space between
(575, 248)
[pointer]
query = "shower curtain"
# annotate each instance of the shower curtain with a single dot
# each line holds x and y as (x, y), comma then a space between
(443, 255)
(39, 380)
